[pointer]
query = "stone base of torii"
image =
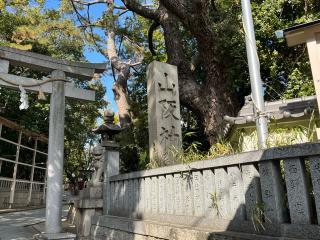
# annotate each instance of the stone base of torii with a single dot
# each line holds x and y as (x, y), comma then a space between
(59, 89)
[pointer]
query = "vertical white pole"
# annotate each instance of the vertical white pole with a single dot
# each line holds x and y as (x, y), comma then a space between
(15, 170)
(45, 182)
(55, 155)
(255, 78)
(32, 170)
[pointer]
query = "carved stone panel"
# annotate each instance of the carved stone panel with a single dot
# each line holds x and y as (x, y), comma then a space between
(154, 195)
(252, 188)
(125, 197)
(162, 194)
(130, 196)
(315, 175)
(136, 194)
(142, 195)
(209, 191)
(169, 194)
(112, 195)
(237, 199)
(221, 199)
(198, 196)
(178, 208)
(148, 194)
(297, 190)
(121, 196)
(116, 196)
(163, 111)
(187, 195)
(272, 192)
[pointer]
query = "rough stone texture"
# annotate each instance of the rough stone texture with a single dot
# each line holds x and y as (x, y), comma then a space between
(297, 189)
(52, 236)
(163, 111)
(112, 195)
(174, 197)
(84, 209)
(92, 192)
(148, 194)
(272, 192)
(237, 200)
(136, 193)
(142, 195)
(299, 150)
(125, 197)
(121, 196)
(130, 196)
(187, 194)
(209, 189)
(178, 209)
(221, 197)
(116, 205)
(169, 194)
(198, 196)
(162, 194)
(154, 195)
(251, 187)
(122, 228)
(111, 168)
(315, 175)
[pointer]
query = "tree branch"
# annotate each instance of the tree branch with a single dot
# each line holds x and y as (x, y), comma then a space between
(177, 7)
(91, 2)
(136, 7)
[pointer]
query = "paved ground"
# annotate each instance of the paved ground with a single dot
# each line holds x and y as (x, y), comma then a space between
(17, 225)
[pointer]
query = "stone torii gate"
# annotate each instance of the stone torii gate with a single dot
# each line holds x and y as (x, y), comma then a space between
(59, 89)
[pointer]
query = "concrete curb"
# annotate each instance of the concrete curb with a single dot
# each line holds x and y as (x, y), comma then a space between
(3, 211)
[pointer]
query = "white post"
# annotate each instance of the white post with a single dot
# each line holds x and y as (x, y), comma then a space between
(32, 170)
(255, 78)
(15, 170)
(55, 155)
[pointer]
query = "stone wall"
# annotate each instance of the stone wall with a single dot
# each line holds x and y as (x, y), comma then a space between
(273, 192)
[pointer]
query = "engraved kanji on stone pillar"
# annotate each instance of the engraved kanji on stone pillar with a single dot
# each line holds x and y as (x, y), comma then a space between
(163, 112)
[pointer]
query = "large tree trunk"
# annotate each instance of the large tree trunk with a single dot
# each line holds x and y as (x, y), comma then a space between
(121, 69)
(212, 99)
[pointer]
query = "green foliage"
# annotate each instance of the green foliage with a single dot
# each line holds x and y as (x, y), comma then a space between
(285, 71)
(257, 216)
(215, 203)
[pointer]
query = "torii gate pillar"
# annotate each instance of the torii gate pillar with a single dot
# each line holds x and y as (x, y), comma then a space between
(55, 155)
(60, 69)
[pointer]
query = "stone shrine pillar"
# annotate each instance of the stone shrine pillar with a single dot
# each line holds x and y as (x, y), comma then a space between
(111, 168)
(163, 112)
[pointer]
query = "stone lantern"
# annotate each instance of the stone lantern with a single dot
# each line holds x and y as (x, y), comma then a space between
(95, 199)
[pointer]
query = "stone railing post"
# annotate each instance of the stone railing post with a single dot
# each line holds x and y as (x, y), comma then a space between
(111, 168)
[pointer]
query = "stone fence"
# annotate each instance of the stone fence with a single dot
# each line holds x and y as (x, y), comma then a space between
(22, 192)
(273, 192)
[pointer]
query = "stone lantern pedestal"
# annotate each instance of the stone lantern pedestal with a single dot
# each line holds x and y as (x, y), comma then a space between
(94, 199)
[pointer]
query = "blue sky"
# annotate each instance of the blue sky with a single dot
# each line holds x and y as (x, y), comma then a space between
(94, 56)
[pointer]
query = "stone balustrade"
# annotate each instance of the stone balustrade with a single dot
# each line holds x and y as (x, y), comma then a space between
(272, 192)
